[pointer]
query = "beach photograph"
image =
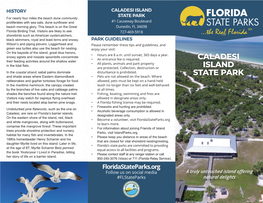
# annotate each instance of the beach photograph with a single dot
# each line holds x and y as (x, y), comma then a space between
(219, 106)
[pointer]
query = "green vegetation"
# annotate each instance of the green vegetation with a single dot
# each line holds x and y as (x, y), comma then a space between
(258, 168)
(232, 100)
(256, 132)
(180, 90)
(193, 196)
(247, 153)
(184, 80)
(212, 101)
(183, 173)
(179, 154)
(210, 190)
(224, 97)
(194, 125)
(186, 138)
(182, 136)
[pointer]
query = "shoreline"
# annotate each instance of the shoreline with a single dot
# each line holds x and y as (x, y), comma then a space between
(253, 64)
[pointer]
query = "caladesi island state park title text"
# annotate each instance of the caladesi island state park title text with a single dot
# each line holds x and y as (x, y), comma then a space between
(216, 61)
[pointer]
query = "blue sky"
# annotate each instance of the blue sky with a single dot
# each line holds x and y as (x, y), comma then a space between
(69, 191)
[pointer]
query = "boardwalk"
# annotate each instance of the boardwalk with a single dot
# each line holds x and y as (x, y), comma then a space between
(215, 129)
(209, 169)
(201, 86)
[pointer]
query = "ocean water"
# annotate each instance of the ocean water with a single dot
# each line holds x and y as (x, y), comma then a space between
(132, 192)
(248, 51)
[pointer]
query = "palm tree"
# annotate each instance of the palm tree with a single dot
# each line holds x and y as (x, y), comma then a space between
(210, 190)
(256, 132)
(211, 125)
(250, 124)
